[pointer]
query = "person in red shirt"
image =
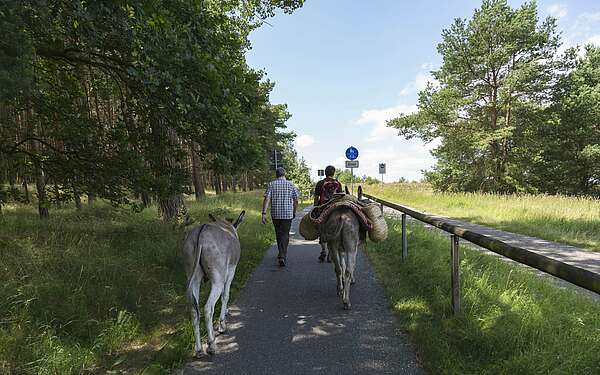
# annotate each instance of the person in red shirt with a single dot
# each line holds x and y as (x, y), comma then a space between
(324, 191)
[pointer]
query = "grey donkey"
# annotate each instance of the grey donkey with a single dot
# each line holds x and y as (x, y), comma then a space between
(343, 233)
(211, 252)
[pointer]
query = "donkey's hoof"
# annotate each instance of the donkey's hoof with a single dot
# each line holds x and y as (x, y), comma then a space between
(211, 349)
(199, 354)
(347, 306)
(222, 327)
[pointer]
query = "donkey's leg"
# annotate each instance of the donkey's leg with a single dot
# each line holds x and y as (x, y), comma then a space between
(216, 289)
(194, 299)
(335, 255)
(343, 276)
(350, 243)
(349, 275)
(225, 300)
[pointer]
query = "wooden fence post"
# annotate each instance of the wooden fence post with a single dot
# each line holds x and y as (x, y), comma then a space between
(404, 239)
(455, 274)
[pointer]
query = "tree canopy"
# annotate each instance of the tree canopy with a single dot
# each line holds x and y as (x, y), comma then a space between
(114, 98)
(510, 113)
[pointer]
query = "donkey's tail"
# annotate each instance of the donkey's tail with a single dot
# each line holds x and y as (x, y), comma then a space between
(335, 233)
(194, 276)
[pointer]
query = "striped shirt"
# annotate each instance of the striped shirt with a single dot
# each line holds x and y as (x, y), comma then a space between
(282, 194)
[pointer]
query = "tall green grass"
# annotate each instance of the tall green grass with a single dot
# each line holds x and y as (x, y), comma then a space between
(102, 289)
(512, 321)
(570, 220)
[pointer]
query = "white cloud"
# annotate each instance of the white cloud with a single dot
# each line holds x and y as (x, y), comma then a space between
(403, 159)
(557, 10)
(406, 90)
(586, 20)
(377, 118)
(420, 82)
(583, 30)
(305, 140)
(595, 40)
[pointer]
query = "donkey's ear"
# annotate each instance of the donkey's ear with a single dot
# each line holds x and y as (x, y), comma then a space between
(239, 219)
(212, 217)
(347, 191)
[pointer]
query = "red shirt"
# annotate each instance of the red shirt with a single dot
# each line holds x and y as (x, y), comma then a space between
(319, 188)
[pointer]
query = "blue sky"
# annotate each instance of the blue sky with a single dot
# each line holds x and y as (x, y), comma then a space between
(345, 66)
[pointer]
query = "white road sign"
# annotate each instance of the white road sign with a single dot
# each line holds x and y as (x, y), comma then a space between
(351, 163)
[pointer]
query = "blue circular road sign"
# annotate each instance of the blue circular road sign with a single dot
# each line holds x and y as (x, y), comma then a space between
(351, 153)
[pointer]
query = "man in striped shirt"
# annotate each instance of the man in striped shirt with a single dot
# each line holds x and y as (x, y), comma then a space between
(282, 195)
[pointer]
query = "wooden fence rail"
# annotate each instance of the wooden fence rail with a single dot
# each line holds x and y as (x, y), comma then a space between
(568, 272)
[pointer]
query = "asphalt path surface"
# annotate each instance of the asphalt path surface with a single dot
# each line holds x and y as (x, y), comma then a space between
(289, 320)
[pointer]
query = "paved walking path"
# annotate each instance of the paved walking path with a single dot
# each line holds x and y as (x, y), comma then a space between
(564, 253)
(290, 321)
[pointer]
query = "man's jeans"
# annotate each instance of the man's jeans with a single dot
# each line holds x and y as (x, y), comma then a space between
(282, 232)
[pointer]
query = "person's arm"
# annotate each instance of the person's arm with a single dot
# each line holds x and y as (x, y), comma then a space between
(295, 206)
(317, 193)
(265, 204)
(295, 198)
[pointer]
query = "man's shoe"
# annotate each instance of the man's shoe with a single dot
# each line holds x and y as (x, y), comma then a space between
(281, 262)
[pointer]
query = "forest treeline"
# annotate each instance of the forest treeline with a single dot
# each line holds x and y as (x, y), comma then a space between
(134, 101)
(511, 111)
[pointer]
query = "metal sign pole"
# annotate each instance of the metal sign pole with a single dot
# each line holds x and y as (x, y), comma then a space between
(352, 179)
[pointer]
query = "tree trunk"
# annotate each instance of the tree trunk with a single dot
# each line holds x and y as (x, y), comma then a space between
(146, 200)
(234, 184)
(77, 198)
(224, 183)
(197, 177)
(245, 182)
(40, 184)
(57, 203)
(217, 183)
(26, 189)
(91, 199)
(172, 205)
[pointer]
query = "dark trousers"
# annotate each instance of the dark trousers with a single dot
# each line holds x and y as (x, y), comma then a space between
(282, 233)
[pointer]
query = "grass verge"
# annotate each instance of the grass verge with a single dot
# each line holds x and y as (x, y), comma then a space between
(102, 290)
(570, 220)
(512, 321)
